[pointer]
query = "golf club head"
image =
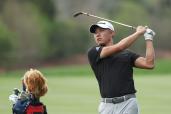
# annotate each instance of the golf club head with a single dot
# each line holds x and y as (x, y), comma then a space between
(16, 91)
(77, 14)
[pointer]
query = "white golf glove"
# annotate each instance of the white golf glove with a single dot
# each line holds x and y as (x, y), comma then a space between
(13, 98)
(149, 34)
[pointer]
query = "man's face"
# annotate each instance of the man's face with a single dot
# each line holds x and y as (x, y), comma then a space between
(103, 36)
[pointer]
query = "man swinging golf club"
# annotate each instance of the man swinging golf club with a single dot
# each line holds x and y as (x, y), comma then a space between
(113, 65)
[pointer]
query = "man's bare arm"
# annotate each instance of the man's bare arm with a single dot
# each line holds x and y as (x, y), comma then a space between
(123, 44)
(148, 61)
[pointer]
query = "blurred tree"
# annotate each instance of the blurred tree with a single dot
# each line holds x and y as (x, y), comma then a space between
(1, 4)
(5, 45)
(130, 13)
(111, 9)
(160, 16)
(67, 39)
(29, 25)
(45, 29)
(166, 3)
(67, 7)
(46, 7)
(165, 7)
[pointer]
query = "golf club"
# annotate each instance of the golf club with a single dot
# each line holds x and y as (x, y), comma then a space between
(87, 14)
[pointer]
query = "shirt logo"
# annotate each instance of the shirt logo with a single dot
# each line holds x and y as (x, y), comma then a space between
(97, 48)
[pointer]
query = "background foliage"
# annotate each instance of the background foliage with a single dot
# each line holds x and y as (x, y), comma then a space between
(33, 32)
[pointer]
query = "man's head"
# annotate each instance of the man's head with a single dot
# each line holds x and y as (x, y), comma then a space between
(103, 32)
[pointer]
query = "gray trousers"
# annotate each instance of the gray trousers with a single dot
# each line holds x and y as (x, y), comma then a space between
(127, 107)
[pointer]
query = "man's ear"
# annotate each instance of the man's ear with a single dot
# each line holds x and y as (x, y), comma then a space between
(113, 33)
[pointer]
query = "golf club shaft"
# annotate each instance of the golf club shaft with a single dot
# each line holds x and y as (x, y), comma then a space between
(109, 20)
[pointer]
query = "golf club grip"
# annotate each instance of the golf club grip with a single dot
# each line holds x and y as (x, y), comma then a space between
(23, 85)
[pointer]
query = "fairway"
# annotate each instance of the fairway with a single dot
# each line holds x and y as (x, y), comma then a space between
(80, 95)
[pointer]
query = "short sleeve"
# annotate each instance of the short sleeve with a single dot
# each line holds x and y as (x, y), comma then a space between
(133, 57)
(94, 54)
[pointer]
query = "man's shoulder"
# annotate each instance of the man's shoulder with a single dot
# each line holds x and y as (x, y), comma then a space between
(94, 48)
(94, 54)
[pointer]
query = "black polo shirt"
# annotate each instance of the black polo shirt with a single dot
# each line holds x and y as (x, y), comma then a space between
(114, 73)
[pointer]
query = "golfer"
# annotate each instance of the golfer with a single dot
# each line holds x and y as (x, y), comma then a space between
(112, 64)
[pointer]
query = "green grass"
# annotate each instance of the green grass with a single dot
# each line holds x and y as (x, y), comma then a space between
(162, 66)
(74, 89)
(80, 95)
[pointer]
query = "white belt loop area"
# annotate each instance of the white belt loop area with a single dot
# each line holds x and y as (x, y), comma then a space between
(124, 98)
(105, 100)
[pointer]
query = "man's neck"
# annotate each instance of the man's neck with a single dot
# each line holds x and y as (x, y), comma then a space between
(109, 44)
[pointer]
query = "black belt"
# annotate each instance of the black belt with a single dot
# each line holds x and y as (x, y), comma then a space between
(116, 100)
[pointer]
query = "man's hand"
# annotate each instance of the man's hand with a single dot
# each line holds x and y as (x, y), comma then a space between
(149, 34)
(140, 30)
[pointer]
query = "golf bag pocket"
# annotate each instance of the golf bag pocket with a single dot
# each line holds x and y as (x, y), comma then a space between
(20, 106)
(35, 109)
